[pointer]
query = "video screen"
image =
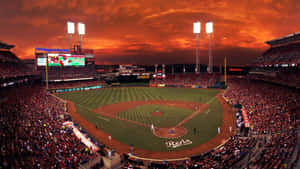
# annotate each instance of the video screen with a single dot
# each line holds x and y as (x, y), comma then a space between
(65, 60)
(41, 61)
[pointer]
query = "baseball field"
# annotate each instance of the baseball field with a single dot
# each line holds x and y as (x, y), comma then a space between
(152, 119)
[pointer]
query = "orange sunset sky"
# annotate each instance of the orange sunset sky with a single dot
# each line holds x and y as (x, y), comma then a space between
(150, 31)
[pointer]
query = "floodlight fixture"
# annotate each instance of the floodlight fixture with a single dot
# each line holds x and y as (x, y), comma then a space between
(81, 28)
(197, 30)
(197, 27)
(71, 27)
(209, 27)
(209, 31)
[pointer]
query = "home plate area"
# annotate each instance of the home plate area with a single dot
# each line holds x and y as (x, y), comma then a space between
(170, 132)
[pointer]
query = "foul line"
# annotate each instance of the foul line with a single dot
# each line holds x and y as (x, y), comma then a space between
(178, 125)
(211, 100)
(196, 112)
(103, 118)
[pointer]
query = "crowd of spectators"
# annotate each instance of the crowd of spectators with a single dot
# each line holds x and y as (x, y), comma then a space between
(270, 110)
(268, 105)
(8, 56)
(203, 80)
(32, 132)
(71, 72)
(272, 117)
(289, 78)
(12, 66)
(285, 54)
(8, 70)
(225, 156)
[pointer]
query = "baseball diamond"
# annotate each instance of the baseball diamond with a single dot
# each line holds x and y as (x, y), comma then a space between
(126, 115)
(150, 84)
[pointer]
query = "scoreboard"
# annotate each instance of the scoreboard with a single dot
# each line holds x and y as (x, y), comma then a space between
(64, 57)
(65, 60)
(55, 59)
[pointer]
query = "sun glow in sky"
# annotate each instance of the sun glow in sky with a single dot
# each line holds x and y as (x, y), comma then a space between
(150, 31)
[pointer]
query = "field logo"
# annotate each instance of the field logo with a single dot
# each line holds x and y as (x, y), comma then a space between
(175, 144)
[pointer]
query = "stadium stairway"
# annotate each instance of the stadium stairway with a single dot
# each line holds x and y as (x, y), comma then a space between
(250, 155)
(91, 163)
(113, 163)
(295, 162)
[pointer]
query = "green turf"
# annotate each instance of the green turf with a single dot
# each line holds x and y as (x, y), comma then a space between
(206, 122)
(171, 115)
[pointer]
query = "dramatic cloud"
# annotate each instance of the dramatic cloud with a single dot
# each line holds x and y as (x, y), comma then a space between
(150, 31)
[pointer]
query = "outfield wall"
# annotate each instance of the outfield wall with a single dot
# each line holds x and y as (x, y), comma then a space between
(85, 88)
(72, 89)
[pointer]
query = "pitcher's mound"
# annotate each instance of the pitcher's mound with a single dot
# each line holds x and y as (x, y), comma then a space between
(170, 132)
(156, 113)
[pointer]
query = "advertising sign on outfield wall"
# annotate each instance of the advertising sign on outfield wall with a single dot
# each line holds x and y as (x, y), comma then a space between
(195, 86)
(78, 89)
(116, 84)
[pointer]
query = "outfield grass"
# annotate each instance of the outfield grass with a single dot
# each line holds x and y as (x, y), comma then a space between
(171, 115)
(206, 122)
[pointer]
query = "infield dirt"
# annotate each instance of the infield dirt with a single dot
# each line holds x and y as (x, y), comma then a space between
(228, 120)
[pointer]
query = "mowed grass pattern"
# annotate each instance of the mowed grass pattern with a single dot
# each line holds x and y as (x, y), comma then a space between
(171, 115)
(96, 98)
(205, 122)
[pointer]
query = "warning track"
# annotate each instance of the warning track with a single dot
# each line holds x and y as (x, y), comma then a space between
(228, 120)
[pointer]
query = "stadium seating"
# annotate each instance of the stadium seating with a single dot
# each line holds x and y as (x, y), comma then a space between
(273, 134)
(289, 77)
(270, 112)
(32, 134)
(58, 73)
(11, 66)
(223, 157)
(285, 54)
(204, 80)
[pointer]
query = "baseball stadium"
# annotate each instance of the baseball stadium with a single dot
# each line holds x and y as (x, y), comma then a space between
(74, 104)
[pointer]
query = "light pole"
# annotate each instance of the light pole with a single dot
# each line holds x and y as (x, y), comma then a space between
(71, 30)
(197, 30)
(209, 31)
(81, 31)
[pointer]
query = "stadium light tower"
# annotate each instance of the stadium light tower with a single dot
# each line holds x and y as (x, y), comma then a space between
(197, 30)
(71, 31)
(81, 31)
(209, 31)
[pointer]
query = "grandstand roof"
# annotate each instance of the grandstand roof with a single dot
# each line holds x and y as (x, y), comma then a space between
(285, 40)
(5, 45)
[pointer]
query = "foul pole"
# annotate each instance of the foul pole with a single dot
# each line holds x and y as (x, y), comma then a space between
(225, 70)
(46, 73)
